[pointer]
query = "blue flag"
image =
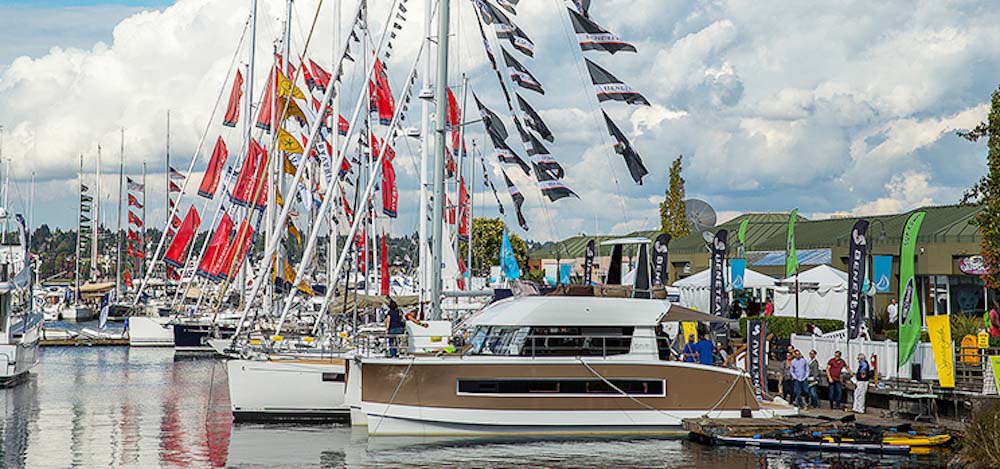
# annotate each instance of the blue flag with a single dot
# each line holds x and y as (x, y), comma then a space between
(105, 307)
(883, 270)
(737, 269)
(508, 262)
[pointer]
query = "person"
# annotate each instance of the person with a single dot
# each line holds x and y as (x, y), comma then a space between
(994, 321)
(813, 380)
(893, 311)
(662, 343)
(395, 326)
(799, 369)
(861, 387)
(769, 308)
(787, 383)
(722, 355)
(812, 329)
(690, 354)
(705, 350)
(834, 367)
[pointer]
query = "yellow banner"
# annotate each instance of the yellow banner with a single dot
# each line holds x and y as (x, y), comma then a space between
(939, 330)
(995, 363)
(690, 328)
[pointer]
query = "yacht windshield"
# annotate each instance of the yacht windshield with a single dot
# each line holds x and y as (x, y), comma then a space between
(555, 341)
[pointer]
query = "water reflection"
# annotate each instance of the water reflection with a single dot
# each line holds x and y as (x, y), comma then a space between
(115, 406)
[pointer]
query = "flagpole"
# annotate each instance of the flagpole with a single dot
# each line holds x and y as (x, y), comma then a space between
(118, 230)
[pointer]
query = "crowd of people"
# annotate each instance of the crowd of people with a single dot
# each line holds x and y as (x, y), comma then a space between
(801, 378)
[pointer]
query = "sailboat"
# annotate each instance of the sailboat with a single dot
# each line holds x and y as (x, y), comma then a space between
(20, 324)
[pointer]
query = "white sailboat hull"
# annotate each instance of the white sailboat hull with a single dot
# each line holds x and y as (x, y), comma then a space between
(150, 332)
(17, 359)
(294, 389)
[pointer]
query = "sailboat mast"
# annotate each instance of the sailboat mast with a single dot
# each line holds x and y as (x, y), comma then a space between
(142, 242)
(95, 235)
(425, 113)
(118, 230)
(167, 185)
(441, 119)
(335, 135)
(79, 228)
(247, 121)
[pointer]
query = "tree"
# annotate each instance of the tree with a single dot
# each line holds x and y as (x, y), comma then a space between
(487, 235)
(673, 220)
(986, 192)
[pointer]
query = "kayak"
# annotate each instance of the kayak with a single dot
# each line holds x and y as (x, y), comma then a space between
(933, 440)
(826, 444)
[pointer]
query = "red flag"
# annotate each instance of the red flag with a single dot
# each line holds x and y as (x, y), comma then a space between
(266, 106)
(246, 182)
(174, 187)
(347, 205)
(131, 250)
(455, 121)
(134, 201)
(380, 95)
(175, 222)
(216, 247)
(172, 274)
(234, 251)
(210, 181)
(449, 210)
(139, 254)
(385, 268)
(127, 277)
(133, 236)
(342, 126)
(134, 220)
(463, 211)
(178, 247)
(233, 108)
(390, 194)
(321, 77)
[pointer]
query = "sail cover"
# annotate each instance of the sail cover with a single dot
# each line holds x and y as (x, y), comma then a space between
(178, 247)
(233, 108)
(624, 148)
(520, 75)
(592, 36)
(517, 198)
(216, 246)
(210, 181)
(608, 87)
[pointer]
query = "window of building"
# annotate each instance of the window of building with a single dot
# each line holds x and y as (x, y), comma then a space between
(563, 387)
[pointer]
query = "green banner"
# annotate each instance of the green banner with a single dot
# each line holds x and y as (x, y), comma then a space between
(995, 365)
(909, 300)
(791, 258)
(741, 236)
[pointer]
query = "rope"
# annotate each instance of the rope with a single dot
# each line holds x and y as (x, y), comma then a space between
(394, 393)
(623, 393)
(724, 396)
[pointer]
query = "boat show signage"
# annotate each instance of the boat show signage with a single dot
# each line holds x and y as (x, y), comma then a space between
(756, 355)
(588, 263)
(660, 252)
(909, 301)
(718, 282)
(855, 275)
(939, 331)
(882, 268)
(973, 265)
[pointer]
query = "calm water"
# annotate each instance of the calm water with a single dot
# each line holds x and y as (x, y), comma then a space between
(115, 406)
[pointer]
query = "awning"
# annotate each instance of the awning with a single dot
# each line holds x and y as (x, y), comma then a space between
(680, 313)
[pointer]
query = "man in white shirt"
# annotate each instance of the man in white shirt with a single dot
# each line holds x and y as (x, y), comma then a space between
(893, 312)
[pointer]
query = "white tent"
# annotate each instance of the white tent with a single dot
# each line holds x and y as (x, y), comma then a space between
(696, 290)
(822, 294)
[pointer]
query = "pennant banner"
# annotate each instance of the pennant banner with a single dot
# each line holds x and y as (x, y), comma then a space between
(718, 281)
(608, 87)
(791, 257)
(592, 36)
(210, 181)
(588, 263)
(533, 120)
(660, 265)
(178, 246)
(856, 255)
(133, 201)
(909, 299)
(939, 331)
(757, 357)
(233, 108)
(518, 199)
(622, 146)
(520, 74)
(216, 246)
(882, 266)
(737, 272)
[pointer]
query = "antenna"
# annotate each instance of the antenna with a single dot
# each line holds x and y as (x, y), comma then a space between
(700, 215)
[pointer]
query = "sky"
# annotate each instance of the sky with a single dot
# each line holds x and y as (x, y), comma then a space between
(839, 108)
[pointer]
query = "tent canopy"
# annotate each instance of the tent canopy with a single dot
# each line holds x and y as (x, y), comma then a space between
(680, 313)
(751, 279)
(823, 276)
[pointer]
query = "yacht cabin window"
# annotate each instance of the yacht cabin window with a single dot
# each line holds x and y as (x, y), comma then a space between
(563, 387)
(551, 341)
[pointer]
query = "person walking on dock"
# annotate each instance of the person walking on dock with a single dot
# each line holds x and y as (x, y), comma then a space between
(787, 383)
(834, 367)
(861, 384)
(800, 373)
(813, 380)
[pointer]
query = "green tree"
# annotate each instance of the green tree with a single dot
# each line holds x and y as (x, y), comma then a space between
(986, 192)
(673, 219)
(487, 235)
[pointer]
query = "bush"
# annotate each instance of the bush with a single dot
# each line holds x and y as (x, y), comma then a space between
(961, 326)
(783, 327)
(981, 445)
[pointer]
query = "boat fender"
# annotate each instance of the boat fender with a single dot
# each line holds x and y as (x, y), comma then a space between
(756, 437)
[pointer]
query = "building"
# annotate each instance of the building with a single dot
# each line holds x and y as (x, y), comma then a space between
(948, 236)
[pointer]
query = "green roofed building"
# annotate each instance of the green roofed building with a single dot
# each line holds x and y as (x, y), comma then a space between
(947, 237)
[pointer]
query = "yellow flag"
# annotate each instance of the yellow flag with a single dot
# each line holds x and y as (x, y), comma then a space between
(295, 111)
(690, 328)
(289, 166)
(288, 143)
(939, 330)
(290, 279)
(292, 230)
(285, 86)
(277, 197)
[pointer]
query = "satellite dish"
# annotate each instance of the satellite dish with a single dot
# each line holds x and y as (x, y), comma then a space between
(700, 215)
(708, 236)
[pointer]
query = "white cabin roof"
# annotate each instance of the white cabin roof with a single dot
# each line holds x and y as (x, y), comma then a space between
(571, 311)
